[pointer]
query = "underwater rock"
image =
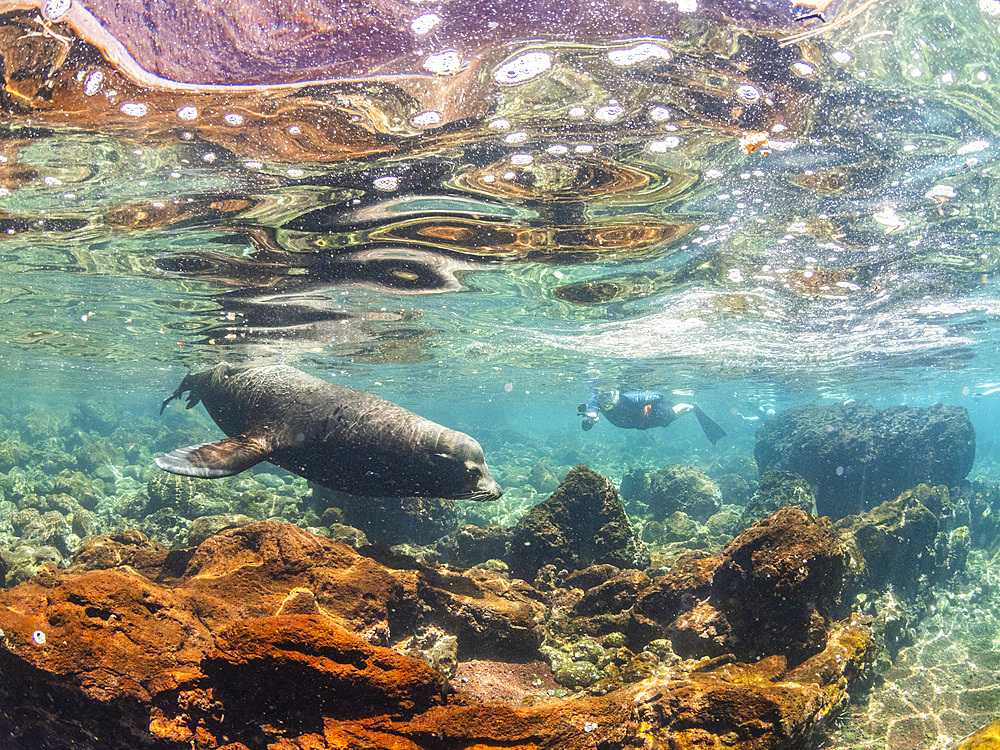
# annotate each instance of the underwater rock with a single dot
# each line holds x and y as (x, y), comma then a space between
(173, 491)
(856, 456)
(203, 527)
(735, 489)
(217, 653)
(13, 453)
(683, 488)
(388, 521)
(131, 548)
(78, 486)
(779, 583)
(25, 561)
(776, 490)
(582, 523)
(687, 583)
(610, 597)
(340, 532)
(473, 545)
(902, 545)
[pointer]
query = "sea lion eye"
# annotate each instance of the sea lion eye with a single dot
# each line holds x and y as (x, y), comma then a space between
(475, 472)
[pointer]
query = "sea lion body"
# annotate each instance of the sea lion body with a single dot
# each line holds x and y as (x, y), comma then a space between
(335, 436)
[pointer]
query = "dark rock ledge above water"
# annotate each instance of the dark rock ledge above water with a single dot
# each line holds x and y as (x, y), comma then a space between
(269, 636)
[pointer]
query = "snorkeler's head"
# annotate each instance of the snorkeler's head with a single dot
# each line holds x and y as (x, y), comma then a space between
(607, 399)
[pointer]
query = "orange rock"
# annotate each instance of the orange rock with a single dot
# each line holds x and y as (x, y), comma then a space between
(201, 660)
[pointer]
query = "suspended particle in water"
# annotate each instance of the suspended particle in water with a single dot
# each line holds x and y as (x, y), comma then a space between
(508, 387)
(38, 637)
(53, 10)
(134, 109)
(523, 68)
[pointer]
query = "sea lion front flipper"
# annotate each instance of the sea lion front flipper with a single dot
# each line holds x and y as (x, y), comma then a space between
(221, 459)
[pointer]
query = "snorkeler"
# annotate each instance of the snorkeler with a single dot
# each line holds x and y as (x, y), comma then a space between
(640, 410)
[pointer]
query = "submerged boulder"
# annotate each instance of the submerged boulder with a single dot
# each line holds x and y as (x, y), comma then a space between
(582, 523)
(856, 456)
(776, 490)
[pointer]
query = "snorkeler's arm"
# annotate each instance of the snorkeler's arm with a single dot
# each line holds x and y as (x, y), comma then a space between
(591, 410)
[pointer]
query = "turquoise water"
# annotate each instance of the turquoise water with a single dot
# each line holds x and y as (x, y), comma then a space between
(482, 232)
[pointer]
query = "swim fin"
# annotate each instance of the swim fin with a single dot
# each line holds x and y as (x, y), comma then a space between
(712, 431)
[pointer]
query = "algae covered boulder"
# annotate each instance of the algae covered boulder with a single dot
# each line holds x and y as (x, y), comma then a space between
(582, 523)
(856, 456)
(776, 490)
(686, 489)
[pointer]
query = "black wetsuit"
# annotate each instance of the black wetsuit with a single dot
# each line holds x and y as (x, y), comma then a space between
(636, 410)
(640, 410)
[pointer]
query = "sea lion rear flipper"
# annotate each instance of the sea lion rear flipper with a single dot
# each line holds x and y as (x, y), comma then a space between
(221, 459)
(712, 431)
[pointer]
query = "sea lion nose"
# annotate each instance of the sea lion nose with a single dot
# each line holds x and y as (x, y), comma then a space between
(490, 486)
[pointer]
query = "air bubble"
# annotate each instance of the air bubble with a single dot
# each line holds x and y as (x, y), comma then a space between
(53, 10)
(528, 66)
(425, 23)
(38, 637)
(577, 112)
(521, 160)
(639, 53)
(748, 93)
(518, 137)
(659, 114)
(444, 63)
(609, 113)
(294, 172)
(427, 119)
(93, 83)
(233, 119)
(187, 113)
(134, 109)
(661, 147)
(557, 149)
(803, 69)
(387, 183)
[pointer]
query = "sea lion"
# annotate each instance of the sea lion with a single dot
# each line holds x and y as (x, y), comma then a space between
(335, 436)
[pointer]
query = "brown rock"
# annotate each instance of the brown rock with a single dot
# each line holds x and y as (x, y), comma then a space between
(201, 659)
(778, 582)
(582, 523)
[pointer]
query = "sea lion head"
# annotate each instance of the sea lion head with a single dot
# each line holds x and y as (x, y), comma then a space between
(462, 470)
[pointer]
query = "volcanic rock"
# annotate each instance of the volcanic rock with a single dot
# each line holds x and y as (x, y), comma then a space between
(582, 523)
(856, 456)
